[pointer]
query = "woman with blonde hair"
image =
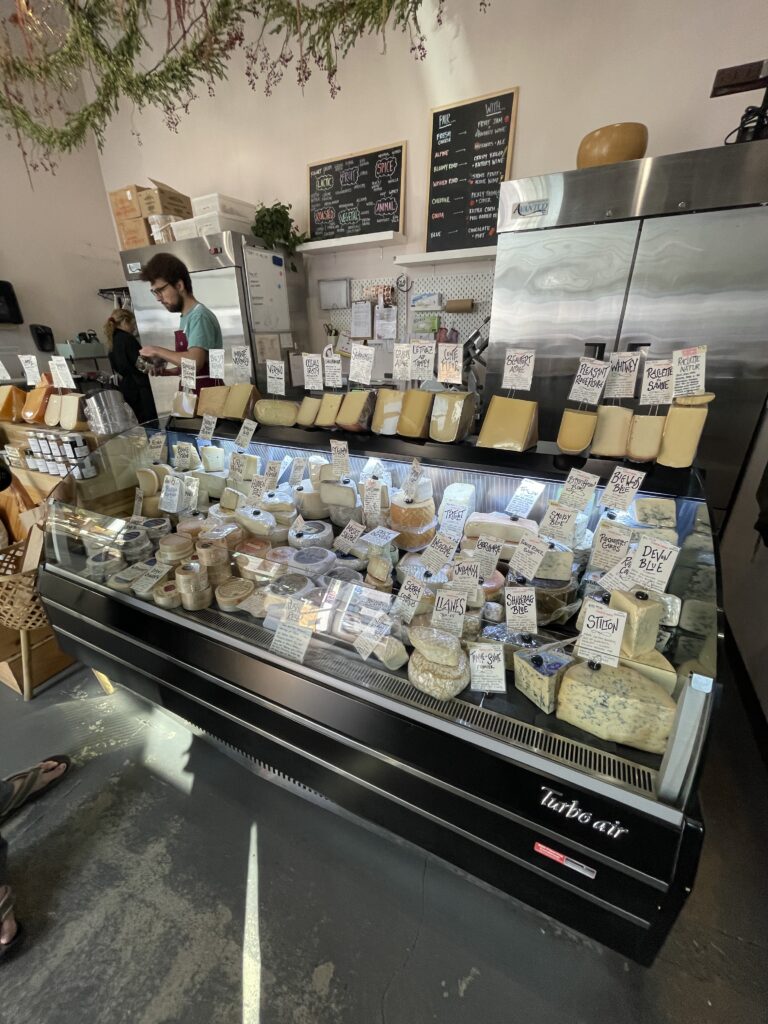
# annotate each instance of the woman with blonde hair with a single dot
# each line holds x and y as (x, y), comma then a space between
(123, 347)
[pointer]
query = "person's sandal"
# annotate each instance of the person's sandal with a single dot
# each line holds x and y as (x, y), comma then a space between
(6, 909)
(26, 792)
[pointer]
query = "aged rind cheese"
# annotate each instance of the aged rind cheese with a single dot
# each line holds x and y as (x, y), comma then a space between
(656, 512)
(499, 525)
(239, 401)
(511, 424)
(683, 430)
(612, 431)
(330, 404)
(212, 457)
(274, 412)
(308, 411)
(341, 492)
(538, 675)
(389, 404)
(643, 621)
(12, 401)
(211, 401)
(36, 404)
(356, 411)
(618, 705)
(312, 534)
(458, 494)
(440, 681)
(653, 666)
(645, 437)
(414, 414)
(453, 415)
(436, 645)
(577, 429)
(72, 415)
(411, 515)
(53, 410)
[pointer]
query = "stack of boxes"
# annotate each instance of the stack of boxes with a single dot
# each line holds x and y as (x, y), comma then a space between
(213, 213)
(145, 215)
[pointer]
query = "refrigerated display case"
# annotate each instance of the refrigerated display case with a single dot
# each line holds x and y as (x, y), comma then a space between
(309, 664)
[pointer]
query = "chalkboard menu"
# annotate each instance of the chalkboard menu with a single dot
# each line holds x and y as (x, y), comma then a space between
(357, 194)
(471, 154)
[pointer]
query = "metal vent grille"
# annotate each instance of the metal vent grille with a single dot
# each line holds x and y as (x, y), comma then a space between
(335, 663)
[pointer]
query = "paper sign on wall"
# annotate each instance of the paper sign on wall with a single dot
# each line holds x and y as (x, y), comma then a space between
(361, 364)
(601, 634)
(623, 375)
(658, 382)
(621, 489)
(518, 369)
(578, 489)
(450, 360)
(520, 609)
(401, 361)
(689, 367)
(313, 371)
(422, 360)
(245, 434)
(589, 381)
(486, 668)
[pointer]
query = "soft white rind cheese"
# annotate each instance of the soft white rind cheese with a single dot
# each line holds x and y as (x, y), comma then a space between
(499, 525)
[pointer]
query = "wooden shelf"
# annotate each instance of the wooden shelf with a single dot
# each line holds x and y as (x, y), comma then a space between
(328, 246)
(417, 259)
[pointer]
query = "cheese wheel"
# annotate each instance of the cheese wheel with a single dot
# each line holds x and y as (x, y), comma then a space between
(275, 413)
(389, 405)
(577, 429)
(329, 410)
(356, 411)
(683, 430)
(414, 414)
(511, 424)
(453, 416)
(438, 646)
(197, 600)
(499, 525)
(440, 681)
(308, 411)
(411, 515)
(612, 431)
(645, 437)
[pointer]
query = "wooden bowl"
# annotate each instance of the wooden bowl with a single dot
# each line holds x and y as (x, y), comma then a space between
(613, 143)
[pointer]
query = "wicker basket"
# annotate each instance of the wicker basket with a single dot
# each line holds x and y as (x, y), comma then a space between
(20, 606)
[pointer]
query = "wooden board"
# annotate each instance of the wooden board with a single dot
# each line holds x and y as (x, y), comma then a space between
(357, 194)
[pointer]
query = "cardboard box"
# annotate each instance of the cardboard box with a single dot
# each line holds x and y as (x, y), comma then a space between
(125, 202)
(163, 199)
(135, 233)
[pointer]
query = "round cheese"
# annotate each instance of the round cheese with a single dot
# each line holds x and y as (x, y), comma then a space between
(440, 681)
(436, 645)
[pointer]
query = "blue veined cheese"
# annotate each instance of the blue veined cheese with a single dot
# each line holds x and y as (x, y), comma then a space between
(654, 666)
(557, 563)
(702, 584)
(643, 621)
(699, 617)
(618, 705)
(656, 512)
(538, 675)
(671, 604)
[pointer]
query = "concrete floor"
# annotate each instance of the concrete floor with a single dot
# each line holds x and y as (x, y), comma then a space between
(159, 886)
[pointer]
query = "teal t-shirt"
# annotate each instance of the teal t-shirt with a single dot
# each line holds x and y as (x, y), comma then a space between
(201, 328)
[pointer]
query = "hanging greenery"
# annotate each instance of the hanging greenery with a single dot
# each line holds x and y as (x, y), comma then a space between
(161, 53)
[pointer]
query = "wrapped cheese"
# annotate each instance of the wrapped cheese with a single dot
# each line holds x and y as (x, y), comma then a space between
(212, 457)
(499, 525)
(437, 680)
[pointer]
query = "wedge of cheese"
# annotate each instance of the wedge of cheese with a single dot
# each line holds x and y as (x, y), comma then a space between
(211, 401)
(538, 675)
(12, 401)
(683, 430)
(577, 428)
(309, 502)
(415, 412)
(645, 437)
(453, 415)
(276, 413)
(239, 400)
(643, 621)
(656, 512)
(458, 494)
(511, 424)
(612, 431)
(308, 411)
(72, 412)
(212, 457)
(389, 404)
(653, 666)
(330, 404)
(356, 411)
(557, 563)
(184, 403)
(36, 403)
(53, 410)
(342, 493)
(618, 705)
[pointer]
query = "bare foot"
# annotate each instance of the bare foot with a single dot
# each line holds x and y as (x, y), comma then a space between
(8, 929)
(52, 770)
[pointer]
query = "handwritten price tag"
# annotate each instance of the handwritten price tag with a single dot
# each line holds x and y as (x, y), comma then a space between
(371, 635)
(450, 608)
(340, 457)
(589, 381)
(361, 364)
(348, 537)
(298, 468)
(241, 364)
(601, 634)
(216, 363)
(524, 498)
(332, 367)
(466, 576)
(313, 372)
(256, 490)
(246, 432)
(145, 583)
(275, 376)
(407, 600)
(413, 477)
(578, 490)
(4, 375)
(518, 368)
(618, 577)
(450, 360)
(440, 551)
(272, 474)
(381, 537)
(156, 445)
(401, 361)
(170, 496)
(611, 545)
(31, 369)
(559, 523)
(138, 501)
(62, 372)
(487, 551)
(528, 556)
(183, 456)
(652, 564)
(486, 668)
(452, 518)
(291, 641)
(207, 428)
(422, 360)
(623, 375)
(689, 367)
(372, 500)
(520, 609)
(658, 382)
(622, 488)
(188, 374)
(237, 463)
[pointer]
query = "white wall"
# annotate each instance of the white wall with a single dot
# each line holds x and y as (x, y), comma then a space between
(57, 247)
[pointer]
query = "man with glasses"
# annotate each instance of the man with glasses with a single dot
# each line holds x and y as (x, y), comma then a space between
(199, 330)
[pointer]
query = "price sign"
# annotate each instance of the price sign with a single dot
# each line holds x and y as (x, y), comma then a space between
(610, 546)
(622, 488)
(275, 376)
(298, 468)
(188, 374)
(170, 496)
(408, 598)
(524, 498)
(518, 369)
(4, 375)
(60, 369)
(652, 564)
(237, 463)
(241, 364)
(658, 382)
(348, 537)
(332, 367)
(371, 635)
(54, 372)
(340, 457)
(144, 584)
(528, 556)
(559, 523)
(589, 381)
(487, 551)
(313, 371)
(272, 474)
(216, 363)
(689, 367)
(450, 608)
(207, 428)
(440, 551)
(256, 490)
(623, 375)
(450, 361)
(156, 445)
(381, 537)
(486, 668)
(466, 576)
(138, 501)
(31, 369)
(183, 456)
(452, 518)
(520, 609)
(372, 500)
(246, 432)
(601, 634)
(414, 474)
(422, 360)
(618, 577)
(578, 490)
(361, 364)
(401, 361)
(291, 641)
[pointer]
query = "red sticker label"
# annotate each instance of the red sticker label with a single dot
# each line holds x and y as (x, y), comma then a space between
(561, 858)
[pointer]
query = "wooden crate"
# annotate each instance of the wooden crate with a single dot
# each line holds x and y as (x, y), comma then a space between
(47, 660)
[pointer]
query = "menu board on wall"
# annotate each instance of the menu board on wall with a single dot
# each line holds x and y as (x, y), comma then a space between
(357, 194)
(470, 155)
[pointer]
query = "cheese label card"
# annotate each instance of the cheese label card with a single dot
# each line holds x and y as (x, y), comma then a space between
(340, 457)
(313, 371)
(578, 490)
(138, 501)
(449, 610)
(170, 496)
(450, 360)
(652, 564)
(381, 537)
(528, 556)
(188, 374)
(241, 364)
(207, 427)
(183, 456)
(237, 466)
(600, 637)
(291, 641)
(275, 376)
(440, 551)
(623, 375)
(246, 432)
(298, 469)
(361, 364)
(332, 367)
(487, 551)
(658, 382)
(401, 361)
(518, 369)
(689, 367)
(372, 499)
(452, 518)
(622, 488)
(524, 498)
(348, 537)
(610, 546)
(371, 635)
(618, 577)
(150, 579)
(466, 576)
(414, 473)
(272, 474)
(422, 360)
(589, 381)
(407, 600)
(298, 524)
(4, 375)
(520, 609)
(31, 369)
(156, 445)
(486, 668)
(54, 371)
(299, 612)
(190, 494)
(559, 523)
(256, 490)
(216, 363)
(62, 371)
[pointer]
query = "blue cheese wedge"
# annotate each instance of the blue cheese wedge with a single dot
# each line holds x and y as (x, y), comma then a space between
(656, 512)
(538, 675)
(643, 621)
(557, 563)
(698, 617)
(653, 666)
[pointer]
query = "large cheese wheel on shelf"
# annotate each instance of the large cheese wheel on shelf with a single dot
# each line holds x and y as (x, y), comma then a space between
(511, 424)
(276, 412)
